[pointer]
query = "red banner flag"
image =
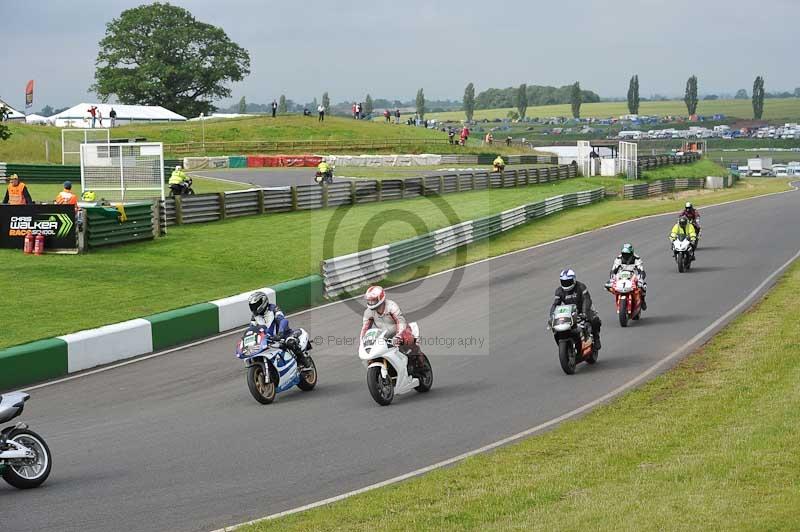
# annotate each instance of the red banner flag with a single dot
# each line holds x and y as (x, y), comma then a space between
(29, 94)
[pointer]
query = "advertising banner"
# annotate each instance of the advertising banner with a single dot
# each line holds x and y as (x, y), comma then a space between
(55, 222)
(29, 94)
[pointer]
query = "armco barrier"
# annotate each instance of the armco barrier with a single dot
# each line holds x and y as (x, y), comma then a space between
(219, 206)
(663, 186)
(55, 357)
(103, 227)
(348, 272)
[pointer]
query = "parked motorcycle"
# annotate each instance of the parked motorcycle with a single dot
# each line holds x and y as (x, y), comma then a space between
(627, 294)
(573, 334)
(388, 373)
(682, 252)
(25, 459)
(271, 367)
(182, 189)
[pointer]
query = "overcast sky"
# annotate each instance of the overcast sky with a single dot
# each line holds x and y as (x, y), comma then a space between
(392, 48)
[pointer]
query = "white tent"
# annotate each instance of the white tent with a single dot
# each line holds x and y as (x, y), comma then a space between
(13, 114)
(36, 119)
(78, 116)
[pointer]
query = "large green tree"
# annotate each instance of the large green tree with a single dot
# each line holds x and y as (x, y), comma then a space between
(741, 94)
(758, 97)
(159, 54)
(282, 107)
(369, 105)
(690, 96)
(242, 105)
(469, 102)
(522, 100)
(326, 102)
(633, 95)
(576, 99)
(421, 104)
(4, 130)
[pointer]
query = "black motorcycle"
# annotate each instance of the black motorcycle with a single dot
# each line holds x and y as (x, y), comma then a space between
(182, 189)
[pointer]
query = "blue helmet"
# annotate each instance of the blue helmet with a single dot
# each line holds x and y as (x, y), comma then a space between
(567, 278)
(68, 185)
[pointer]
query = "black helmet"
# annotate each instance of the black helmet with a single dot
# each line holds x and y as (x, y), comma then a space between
(258, 302)
(683, 220)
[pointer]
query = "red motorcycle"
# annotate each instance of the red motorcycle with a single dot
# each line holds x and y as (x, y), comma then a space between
(627, 294)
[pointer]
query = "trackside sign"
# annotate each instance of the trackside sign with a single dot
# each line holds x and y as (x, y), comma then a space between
(55, 222)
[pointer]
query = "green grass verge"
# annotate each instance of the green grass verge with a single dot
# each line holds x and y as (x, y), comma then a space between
(788, 108)
(198, 263)
(27, 142)
(701, 168)
(46, 192)
(710, 445)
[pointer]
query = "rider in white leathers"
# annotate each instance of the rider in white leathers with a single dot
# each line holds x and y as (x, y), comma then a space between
(386, 314)
(628, 258)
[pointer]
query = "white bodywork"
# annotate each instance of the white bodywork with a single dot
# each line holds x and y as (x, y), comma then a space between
(681, 245)
(375, 350)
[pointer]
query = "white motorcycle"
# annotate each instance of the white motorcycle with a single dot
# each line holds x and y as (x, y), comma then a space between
(387, 368)
(682, 251)
(25, 459)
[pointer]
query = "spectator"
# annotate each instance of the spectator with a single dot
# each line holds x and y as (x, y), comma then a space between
(321, 111)
(387, 116)
(397, 116)
(306, 112)
(359, 108)
(508, 141)
(464, 135)
(100, 117)
(354, 111)
(451, 135)
(113, 115)
(93, 112)
(17, 192)
(66, 196)
(274, 107)
(489, 138)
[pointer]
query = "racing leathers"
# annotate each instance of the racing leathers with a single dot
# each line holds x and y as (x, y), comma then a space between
(579, 296)
(636, 261)
(277, 327)
(393, 321)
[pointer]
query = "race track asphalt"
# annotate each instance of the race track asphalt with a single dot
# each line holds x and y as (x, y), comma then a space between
(177, 443)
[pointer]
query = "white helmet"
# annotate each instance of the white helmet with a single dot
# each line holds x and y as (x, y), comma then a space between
(179, 167)
(374, 297)
(567, 279)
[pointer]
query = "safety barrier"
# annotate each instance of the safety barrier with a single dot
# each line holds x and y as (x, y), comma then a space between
(55, 357)
(346, 273)
(104, 228)
(663, 186)
(58, 173)
(222, 205)
(647, 162)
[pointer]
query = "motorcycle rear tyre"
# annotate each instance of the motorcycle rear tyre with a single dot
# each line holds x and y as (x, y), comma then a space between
(566, 356)
(20, 482)
(426, 381)
(308, 378)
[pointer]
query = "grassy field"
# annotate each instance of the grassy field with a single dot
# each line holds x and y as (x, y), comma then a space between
(27, 143)
(788, 108)
(46, 192)
(128, 281)
(710, 445)
(701, 168)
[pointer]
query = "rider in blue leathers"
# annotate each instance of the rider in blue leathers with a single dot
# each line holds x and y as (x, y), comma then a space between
(271, 317)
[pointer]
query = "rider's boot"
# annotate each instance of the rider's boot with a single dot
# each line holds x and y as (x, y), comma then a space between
(298, 353)
(644, 300)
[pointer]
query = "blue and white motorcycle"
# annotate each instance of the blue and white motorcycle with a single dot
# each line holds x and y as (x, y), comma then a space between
(25, 459)
(271, 367)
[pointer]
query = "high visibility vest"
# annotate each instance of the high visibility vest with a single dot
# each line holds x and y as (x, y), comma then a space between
(16, 194)
(65, 197)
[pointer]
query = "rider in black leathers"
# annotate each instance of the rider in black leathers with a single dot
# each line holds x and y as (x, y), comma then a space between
(574, 292)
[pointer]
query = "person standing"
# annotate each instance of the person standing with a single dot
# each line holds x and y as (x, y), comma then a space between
(93, 112)
(113, 115)
(17, 192)
(274, 108)
(397, 116)
(321, 111)
(354, 110)
(66, 196)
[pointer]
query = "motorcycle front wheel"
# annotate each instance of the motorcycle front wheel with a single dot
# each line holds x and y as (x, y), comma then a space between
(680, 262)
(426, 376)
(382, 390)
(261, 390)
(623, 313)
(32, 473)
(566, 355)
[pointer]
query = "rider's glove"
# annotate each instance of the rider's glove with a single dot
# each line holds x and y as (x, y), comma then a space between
(396, 341)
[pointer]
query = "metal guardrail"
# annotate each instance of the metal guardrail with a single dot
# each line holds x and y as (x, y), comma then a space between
(103, 227)
(654, 161)
(663, 186)
(222, 205)
(348, 272)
